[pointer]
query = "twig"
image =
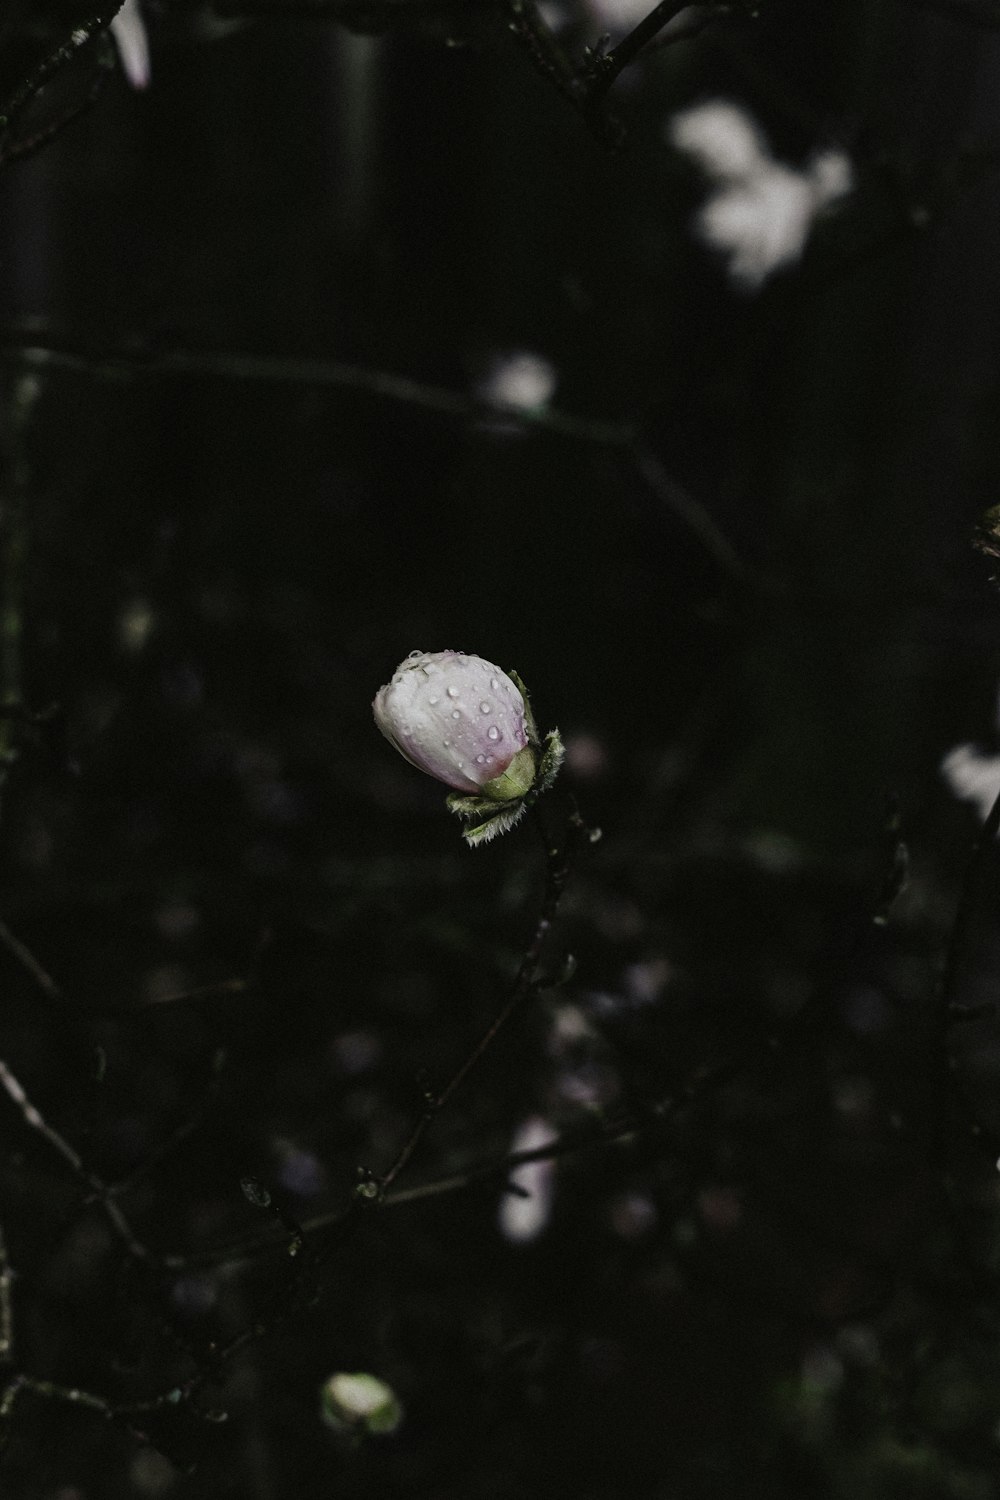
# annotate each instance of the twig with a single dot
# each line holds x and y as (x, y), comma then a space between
(360, 13)
(948, 973)
(622, 436)
(608, 66)
(689, 510)
(559, 863)
(132, 364)
(546, 52)
(6, 1307)
(983, 14)
(43, 979)
(20, 150)
(51, 64)
(177, 1137)
(99, 1190)
(945, 1010)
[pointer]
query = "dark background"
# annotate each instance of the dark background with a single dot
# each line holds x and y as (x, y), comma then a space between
(245, 315)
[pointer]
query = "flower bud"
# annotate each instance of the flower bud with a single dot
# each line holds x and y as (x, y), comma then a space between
(360, 1404)
(460, 719)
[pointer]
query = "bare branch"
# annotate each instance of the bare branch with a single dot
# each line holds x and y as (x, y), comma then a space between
(98, 1190)
(559, 863)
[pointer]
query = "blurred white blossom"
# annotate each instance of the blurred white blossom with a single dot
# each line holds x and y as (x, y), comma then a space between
(973, 776)
(522, 1218)
(724, 141)
(518, 382)
(360, 1404)
(129, 31)
(761, 211)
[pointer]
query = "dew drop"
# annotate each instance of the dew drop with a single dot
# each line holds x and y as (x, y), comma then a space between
(433, 700)
(484, 708)
(456, 713)
(481, 760)
(453, 692)
(446, 743)
(489, 760)
(493, 732)
(494, 684)
(414, 654)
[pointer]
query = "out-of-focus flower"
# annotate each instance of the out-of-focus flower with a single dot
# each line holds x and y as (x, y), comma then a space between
(467, 723)
(460, 719)
(518, 382)
(359, 1405)
(525, 1212)
(762, 211)
(722, 139)
(974, 776)
(129, 31)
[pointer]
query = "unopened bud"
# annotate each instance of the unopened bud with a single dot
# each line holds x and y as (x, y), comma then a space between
(360, 1405)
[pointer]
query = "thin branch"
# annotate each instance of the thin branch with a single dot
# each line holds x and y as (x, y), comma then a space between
(22, 148)
(546, 51)
(140, 363)
(609, 65)
(625, 1128)
(559, 863)
(945, 1009)
(363, 14)
(177, 1137)
(51, 64)
(98, 1190)
(6, 1306)
(623, 436)
(964, 912)
(43, 979)
(983, 14)
(688, 510)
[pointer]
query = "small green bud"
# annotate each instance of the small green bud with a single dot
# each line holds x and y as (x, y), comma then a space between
(360, 1405)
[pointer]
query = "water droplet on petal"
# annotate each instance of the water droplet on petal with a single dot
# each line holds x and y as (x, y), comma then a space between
(484, 708)
(481, 760)
(433, 700)
(489, 760)
(494, 684)
(414, 654)
(493, 732)
(456, 713)
(453, 692)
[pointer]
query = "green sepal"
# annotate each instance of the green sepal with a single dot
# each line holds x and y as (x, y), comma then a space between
(500, 822)
(500, 817)
(530, 727)
(553, 756)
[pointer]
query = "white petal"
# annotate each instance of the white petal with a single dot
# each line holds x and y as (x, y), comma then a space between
(523, 1218)
(973, 776)
(129, 31)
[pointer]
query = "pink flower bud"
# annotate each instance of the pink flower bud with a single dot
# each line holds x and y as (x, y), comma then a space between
(460, 719)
